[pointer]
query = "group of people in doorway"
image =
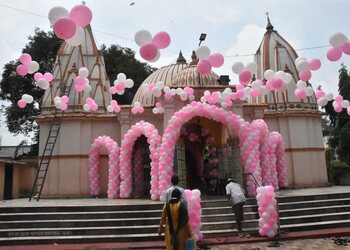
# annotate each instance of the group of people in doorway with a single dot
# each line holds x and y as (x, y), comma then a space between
(174, 222)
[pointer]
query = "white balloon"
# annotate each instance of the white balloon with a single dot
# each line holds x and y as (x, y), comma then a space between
(309, 91)
(224, 105)
(166, 89)
(322, 101)
(183, 96)
(84, 72)
(237, 67)
(255, 85)
(142, 37)
(161, 110)
(121, 92)
(179, 91)
(263, 91)
(269, 74)
(160, 85)
(302, 65)
(252, 67)
(225, 94)
(155, 91)
(86, 107)
(299, 59)
(57, 12)
(202, 99)
(288, 78)
(129, 83)
(28, 98)
(191, 97)
(58, 104)
(33, 67)
(345, 103)
(137, 104)
(110, 109)
(155, 110)
(87, 88)
(301, 84)
(56, 99)
(329, 96)
(173, 92)
(229, 90)
(203, 52)
(77, 39)
(121, 77)
(44, 85)
(247, 90)
(281, 74)
(337, 39)
(207, 92)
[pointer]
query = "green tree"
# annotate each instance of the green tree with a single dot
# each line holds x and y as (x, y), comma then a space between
(42, 46)
(119, 59)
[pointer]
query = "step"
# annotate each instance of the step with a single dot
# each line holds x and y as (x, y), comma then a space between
(314, 218)
(313, 210)
(315, 226)
(309, 197)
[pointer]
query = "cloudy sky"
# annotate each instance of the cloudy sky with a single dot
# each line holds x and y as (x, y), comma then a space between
(233, 28)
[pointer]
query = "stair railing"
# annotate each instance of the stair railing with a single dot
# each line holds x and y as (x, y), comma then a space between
(256, 182)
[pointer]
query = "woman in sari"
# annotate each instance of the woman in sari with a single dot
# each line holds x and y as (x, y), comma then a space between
(175, 219)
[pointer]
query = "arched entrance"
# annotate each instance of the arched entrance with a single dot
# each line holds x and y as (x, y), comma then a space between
(126, 151)
(173, 131)
(113, 171)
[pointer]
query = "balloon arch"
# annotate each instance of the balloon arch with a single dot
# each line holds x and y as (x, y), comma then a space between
(262, 152)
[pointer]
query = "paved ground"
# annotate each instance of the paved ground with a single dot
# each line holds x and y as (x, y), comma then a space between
(309, 244)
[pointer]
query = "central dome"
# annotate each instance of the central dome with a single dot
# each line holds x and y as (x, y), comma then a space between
(177, 75)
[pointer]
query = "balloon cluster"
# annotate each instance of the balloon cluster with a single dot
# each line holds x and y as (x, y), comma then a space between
(69, 25)
(27, 66)
(43, 81)
(338, 104)
(155, 88)
(90, 105)
(193, 198)
(150, 46)
(305, 67)
(61, 102)
(113, 164)
(277, 80)
(246, 72)
(172, 133)
(113, 107)
(26, 99)
(126, 150)
(207, 60)
(302, 90)
(340, 44)
(267, 211)
(120, 84)
(82, 81)
(137, 108)
(158, 109)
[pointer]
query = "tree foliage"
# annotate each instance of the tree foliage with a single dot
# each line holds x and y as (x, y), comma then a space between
(43, 47)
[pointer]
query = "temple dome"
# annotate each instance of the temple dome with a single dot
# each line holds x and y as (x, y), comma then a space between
(277, 54)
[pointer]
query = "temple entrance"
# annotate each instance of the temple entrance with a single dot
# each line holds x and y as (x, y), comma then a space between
(141, 173)
(205, 157)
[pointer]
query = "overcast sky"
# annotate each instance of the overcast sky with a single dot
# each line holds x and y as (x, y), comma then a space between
(232, 28)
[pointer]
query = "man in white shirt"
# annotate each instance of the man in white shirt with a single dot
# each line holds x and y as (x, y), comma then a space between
(236, 196)
(175, 183)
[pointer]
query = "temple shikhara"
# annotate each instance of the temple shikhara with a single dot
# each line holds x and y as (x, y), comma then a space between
(203, 142)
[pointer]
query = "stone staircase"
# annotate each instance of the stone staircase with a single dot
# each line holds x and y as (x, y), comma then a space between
(127, 223)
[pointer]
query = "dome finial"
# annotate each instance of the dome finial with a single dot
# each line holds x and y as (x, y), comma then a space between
(194, 58)
(181, 58)
(269, 25)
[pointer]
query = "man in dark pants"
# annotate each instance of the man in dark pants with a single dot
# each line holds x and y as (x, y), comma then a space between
(236, 196)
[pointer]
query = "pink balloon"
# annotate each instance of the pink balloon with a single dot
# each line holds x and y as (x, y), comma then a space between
(161, 40)
(239, 87)
(233, 96)
(94, 107)
(188, 90)
(167, 95)
(134, 110)
(89, 101)
(64, 28)
(338, 98)
(114, 103)
(25, 58)
(64, 99)
(203, 67)
(269, 85)
(338, 107)
(116, 108)
(319, 93)
(305, 75)
(79, 88)
(334, 54)
(22, 69)
(148, 51)
(48, 76)
(314, 64)
(80, 81)
(346, 48)
(254, 93)
(64, 106)
(38, 76)
(113, 90)
(21, 103)
(277, 83)
(245, 76)
(120, 86)
(300, 93)
(81, 15)
(240, 94)
(216, 60)
(348, 110)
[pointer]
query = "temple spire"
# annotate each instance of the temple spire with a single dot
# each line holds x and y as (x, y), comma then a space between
(269, 25)
(181, 58)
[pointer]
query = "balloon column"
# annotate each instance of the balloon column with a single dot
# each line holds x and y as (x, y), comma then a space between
(267, 211)
(69, 25)
(113, 166)
(193, 198)
(150, 46)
